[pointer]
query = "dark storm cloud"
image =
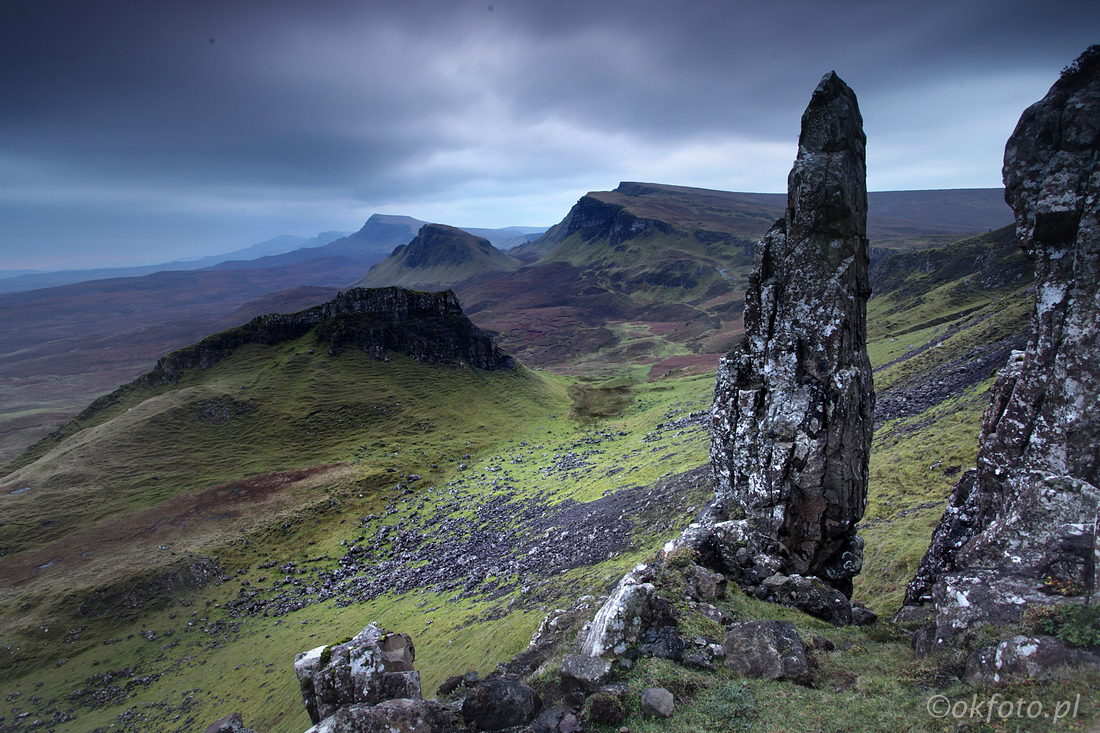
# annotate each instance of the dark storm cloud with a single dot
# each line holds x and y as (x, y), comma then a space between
(211, 125)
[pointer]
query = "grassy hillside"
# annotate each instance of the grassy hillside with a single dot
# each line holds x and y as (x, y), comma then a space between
(279, 455)
(293, 473)
(654, 275)
(940, 324)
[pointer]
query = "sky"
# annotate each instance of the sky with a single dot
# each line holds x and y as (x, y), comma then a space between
(142, 132)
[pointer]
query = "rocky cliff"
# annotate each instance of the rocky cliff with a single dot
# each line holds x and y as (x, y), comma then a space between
(794, 402)
(1021, 526)
(428, 327)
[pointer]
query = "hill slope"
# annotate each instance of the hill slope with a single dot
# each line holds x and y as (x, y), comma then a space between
(243, 403)
(246, 469)
(653, 275)
(438, 257)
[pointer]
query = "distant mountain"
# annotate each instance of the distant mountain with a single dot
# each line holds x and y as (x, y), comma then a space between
(437, 258)
(379, 235)
(950, 213)
(62, 345)
(633, 209)
(508, 237)
(651, 269)
(923, 217)
(274, 246)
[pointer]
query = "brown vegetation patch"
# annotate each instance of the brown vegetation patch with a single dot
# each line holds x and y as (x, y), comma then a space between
(686, 364)
(128, 542)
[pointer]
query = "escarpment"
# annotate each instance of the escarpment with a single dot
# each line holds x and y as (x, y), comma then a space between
(1021, 526)
(428, 327)
(593, 217)
(794, 403)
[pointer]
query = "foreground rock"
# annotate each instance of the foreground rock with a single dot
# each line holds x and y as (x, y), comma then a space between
(231, 723)
(373, 667)
(770, 650)
(1021, 527)
(1025, 658)
(389, 716)
(658, 702)
(628, 613)
(580, 672)
(810, 596)
(794, 404)
(496, 704)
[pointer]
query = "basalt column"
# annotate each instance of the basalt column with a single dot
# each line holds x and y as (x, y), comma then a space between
(1023, 524)
(794, 402)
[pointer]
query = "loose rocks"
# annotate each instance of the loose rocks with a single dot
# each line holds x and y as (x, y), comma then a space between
(658, 702)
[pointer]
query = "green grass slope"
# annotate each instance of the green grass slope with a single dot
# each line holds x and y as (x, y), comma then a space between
(941, 322)
(285, 454)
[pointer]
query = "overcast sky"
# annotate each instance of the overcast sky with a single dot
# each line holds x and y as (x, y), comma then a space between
(139, 132)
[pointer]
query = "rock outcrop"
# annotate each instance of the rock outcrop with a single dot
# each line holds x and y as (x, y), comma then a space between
(372, 667)
(499, 703)
(628, 613)
(794, 403)
(1021, 527)
(1024, 658)
(231, 723)
(428, 327)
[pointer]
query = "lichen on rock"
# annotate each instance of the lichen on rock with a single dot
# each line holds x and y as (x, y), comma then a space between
(794, 403)
(1023, 523)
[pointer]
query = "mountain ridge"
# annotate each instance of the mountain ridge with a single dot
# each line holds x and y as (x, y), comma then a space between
(438, 257)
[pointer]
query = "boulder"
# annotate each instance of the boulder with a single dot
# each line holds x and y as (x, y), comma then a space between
(389, 716)
(351, 673)
(770, 650)
(662, 641)
(548, 720)
(629, 610)
(712, 612)
(398, 653)
(863, 616)
(810, 596)
(701, 584)
(231, 723)
(794, 402)
(501, 703)
(401, 685)
(606, 708)
(1024, 658)
(449, 685)
(657, 702)
(580, 672)
(569, 724)
(698, 658)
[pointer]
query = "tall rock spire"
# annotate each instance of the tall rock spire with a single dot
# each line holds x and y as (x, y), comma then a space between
(1022, 525)
(794, 403)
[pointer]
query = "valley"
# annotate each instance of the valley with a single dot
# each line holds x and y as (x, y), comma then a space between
(169, 551)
